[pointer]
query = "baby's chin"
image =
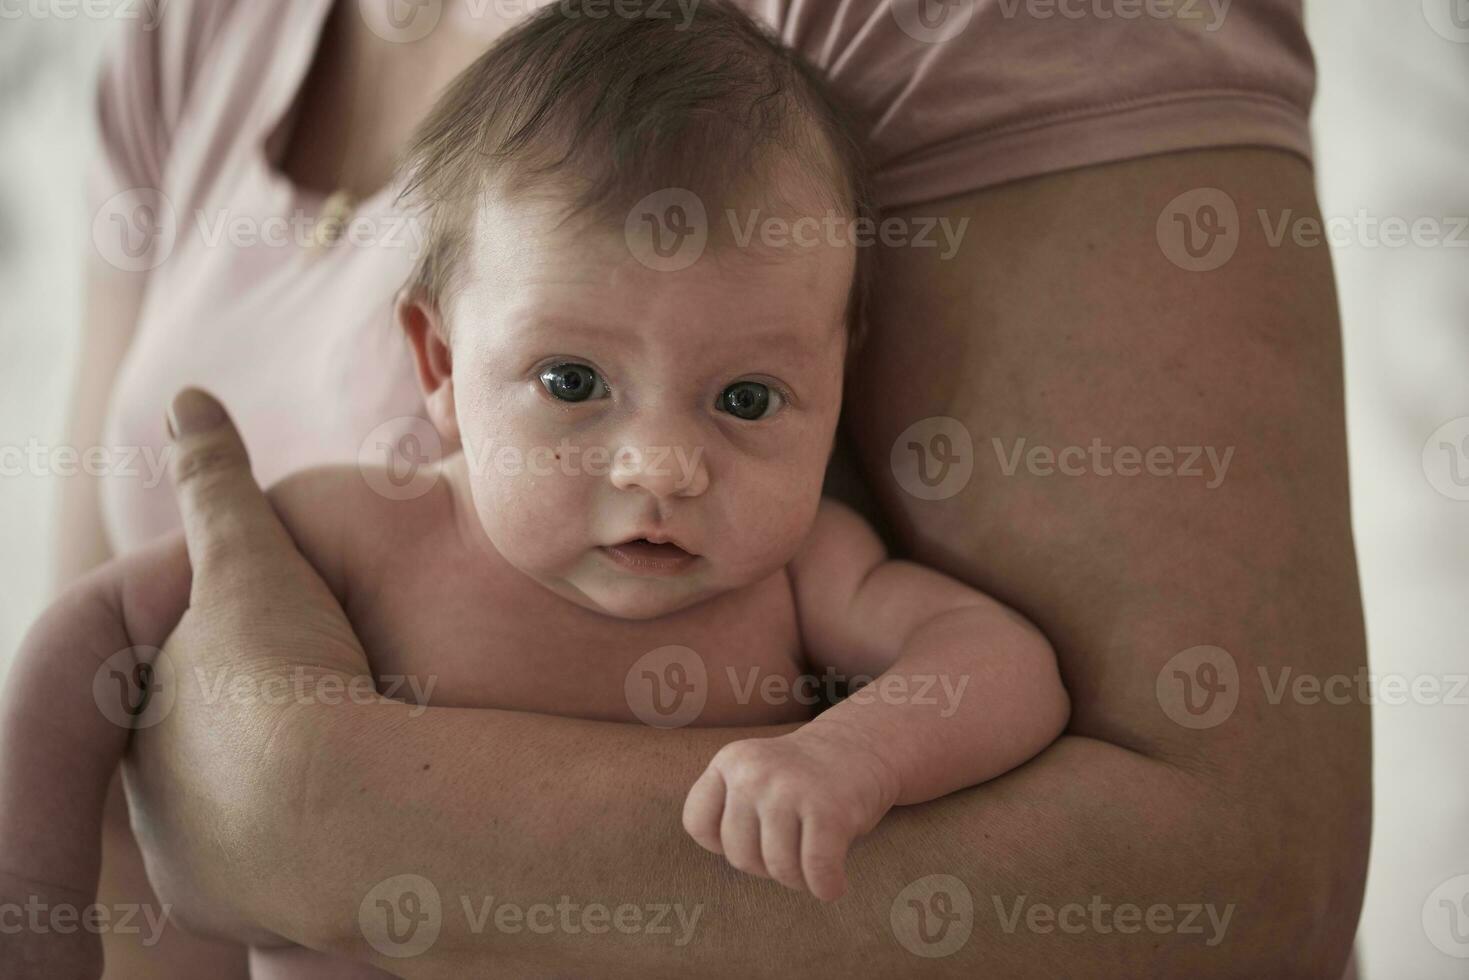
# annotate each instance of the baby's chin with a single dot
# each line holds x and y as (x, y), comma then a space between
(642, 600)
(625, 595)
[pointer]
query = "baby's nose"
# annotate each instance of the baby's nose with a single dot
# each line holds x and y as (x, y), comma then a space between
(663, 471)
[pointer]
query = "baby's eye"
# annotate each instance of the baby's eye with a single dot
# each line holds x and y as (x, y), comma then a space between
(573, 382)
(750, 400)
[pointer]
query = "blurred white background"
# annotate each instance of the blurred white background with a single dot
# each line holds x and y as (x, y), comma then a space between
(1392, 132)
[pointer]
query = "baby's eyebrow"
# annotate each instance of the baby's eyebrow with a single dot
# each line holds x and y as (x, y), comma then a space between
(778, 341)
(540, 325)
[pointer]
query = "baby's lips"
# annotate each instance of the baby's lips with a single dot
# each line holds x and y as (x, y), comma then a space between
(656, 538)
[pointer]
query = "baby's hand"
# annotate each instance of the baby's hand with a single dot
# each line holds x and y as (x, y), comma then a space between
(787, 808)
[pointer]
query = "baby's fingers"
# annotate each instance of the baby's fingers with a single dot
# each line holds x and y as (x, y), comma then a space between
(780, 845)
(740, 833)
(823, 858)
(703, 810)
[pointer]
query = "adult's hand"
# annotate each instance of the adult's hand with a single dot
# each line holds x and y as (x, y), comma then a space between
(258, 610)
(1063, 321)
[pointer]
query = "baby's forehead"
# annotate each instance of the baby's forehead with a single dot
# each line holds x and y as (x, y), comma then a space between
(665, 329)
(527, 257)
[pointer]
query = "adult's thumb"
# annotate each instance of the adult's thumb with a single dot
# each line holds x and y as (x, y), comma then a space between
(223, 508)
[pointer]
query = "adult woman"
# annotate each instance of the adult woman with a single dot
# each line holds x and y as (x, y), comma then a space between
(1070, 317)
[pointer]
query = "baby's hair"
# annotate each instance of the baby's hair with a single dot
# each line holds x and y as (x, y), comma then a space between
(604, 107)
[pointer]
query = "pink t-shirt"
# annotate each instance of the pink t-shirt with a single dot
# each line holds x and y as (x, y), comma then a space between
(298, 341)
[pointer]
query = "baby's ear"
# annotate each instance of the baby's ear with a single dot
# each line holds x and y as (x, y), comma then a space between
(423, 325)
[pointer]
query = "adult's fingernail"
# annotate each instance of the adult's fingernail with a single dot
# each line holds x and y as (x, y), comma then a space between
(193, 412)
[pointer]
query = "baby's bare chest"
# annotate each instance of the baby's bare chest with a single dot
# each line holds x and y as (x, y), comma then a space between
(734, 660)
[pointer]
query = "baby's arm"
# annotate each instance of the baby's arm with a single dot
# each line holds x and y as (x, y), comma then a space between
(965, 690)
(66, 711)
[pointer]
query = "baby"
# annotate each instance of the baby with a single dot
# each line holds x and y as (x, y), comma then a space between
(669, 384)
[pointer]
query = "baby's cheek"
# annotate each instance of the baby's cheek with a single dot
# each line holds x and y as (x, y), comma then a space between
(531, 519)
(774, 513)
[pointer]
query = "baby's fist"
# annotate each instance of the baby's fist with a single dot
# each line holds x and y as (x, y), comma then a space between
(788, 808)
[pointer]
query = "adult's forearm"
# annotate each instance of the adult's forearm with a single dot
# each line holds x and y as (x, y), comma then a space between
(511, 810)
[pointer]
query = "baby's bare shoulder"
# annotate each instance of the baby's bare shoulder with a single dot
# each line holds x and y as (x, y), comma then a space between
(344, 526)
(839, 537)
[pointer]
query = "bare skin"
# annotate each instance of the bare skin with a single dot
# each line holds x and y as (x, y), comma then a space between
(1060, 321)
(1268, 811)
(532, 586)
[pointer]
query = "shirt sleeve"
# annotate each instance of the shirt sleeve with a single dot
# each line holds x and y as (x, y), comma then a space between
(143, 90)
(959, 95)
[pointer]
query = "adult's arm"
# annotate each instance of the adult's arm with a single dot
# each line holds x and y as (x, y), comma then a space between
(1062, 320)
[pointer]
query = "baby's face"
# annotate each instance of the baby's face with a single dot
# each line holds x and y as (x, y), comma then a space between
(600, 402)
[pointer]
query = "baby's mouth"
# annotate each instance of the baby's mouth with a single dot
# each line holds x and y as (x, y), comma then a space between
(642, 555)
